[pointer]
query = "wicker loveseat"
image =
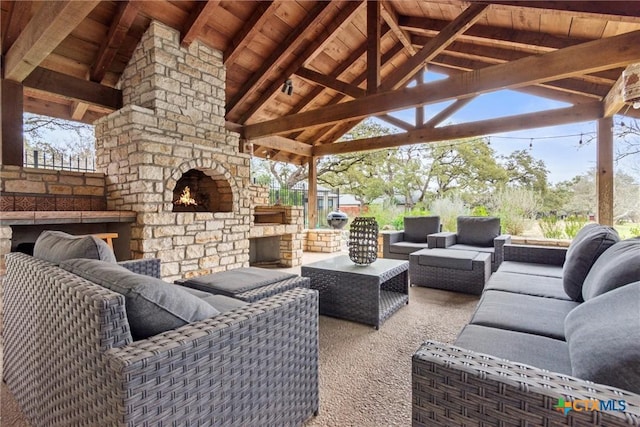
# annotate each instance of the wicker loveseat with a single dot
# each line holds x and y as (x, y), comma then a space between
(70, 357)
(554, 340)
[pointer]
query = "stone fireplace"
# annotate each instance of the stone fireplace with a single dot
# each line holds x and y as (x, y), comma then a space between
(171, 135)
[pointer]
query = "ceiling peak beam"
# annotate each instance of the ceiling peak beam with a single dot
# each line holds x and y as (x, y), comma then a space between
(284, 51)
(556, 117)
(197, 20)
(246, 34)
(74, 88)
(331, 83)
(53, 22)
(123, 20)
(391, 18)
(584, 58)
(373, 45)
(445, 37)
(316, 46)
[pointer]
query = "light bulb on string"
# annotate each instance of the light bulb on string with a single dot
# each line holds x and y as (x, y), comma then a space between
(580, 142)
(531, 144)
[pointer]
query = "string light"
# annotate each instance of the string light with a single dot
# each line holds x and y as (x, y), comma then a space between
(580, 142)
(531, 144)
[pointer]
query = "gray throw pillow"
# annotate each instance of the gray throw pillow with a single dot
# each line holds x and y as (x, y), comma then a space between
(477, 230)
(603, 335)
(57, 246)
(417, 228)
(152, 305)
(617, 266)
(590, 242)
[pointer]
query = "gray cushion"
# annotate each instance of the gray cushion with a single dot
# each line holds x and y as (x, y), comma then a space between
(617, 266)
(488, 250)
(604, 338)
(233, 282)
(531, 269)
(534, 350)
(152, 305)
(523, 313)
(540, 286)
(406, 248)
(477, 230)
(590, 242)
(416, 228)
(445, 258)
(223, 303)
(57, 246)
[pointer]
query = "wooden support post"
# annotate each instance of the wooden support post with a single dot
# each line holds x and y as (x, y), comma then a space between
(373, 46)
(11, 142)
(313, 193)
(604, 175)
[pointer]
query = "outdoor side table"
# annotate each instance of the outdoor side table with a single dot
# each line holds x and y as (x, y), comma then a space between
(366, 294)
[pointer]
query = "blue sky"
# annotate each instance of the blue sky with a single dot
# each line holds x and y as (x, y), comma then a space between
(557, 146)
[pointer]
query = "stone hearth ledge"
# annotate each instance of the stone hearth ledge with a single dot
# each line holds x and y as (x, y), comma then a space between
(64, 217)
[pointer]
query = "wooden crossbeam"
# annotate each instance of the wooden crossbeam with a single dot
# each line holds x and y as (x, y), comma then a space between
(74, 88)
(613, 102)
(447, 112)
(18, 18)
(396, 122)
(391, 18)
(588, 57)
(197, 20)
(53, 22)
(584, 112)
(373, 45)
(249, 30)
(331, 83)
(462, 23)
(284, 144)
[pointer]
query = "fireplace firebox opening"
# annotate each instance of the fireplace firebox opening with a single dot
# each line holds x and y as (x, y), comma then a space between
(197, 191)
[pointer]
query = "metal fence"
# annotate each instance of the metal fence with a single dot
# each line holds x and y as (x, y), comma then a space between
(298, 195)
(43, 160)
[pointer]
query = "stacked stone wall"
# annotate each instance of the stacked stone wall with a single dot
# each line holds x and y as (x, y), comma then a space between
(320, 240)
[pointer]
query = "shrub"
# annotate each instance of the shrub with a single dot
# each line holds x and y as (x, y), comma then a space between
(551, 227)
(449, 209)
(480, 211)
(515, 207)
(635, 231)
(573, 224)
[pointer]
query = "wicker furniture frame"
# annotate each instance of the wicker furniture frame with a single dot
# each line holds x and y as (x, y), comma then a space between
(450, 279)
(446, 239)
(458, 387)
(69, 358)
(368, 294)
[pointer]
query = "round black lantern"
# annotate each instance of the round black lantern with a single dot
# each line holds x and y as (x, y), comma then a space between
(363, 240)
(337, 219)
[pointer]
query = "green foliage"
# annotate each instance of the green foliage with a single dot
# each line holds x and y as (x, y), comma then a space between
(573, 224)
(449, 209)
(515, 207)
(551, 227)
(480, 211)
(635, 231)
(384, 216)
(398, 221)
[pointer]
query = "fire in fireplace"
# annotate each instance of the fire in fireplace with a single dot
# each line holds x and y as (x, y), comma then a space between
(196, 191)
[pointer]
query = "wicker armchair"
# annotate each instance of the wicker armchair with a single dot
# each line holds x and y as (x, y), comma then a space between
(69, 358)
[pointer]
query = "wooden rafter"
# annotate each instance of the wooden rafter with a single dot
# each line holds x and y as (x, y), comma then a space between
(284, 144)
(74, 88)
(584, 112)
(613, 101)
(53, 22)
(447, 112)
(330, 82)
(396, 122)
(123, 20)
(246, 34)
(311, 52)
(436, 45)
(197, 20)
(373, 45)
(284, 51)
(391, 18)
(18, 19)
(584, 58)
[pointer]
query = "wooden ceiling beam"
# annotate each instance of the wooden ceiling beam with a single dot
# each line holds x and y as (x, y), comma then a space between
(53, 22)
(314, 48)
(19, 16)
(446, 36)
(118, 30)
(447, 112)
(396, 122)
(581, 59)
(556, 117)
(613, 101)
(197, 20)
(74, 88)
(534, 41)
(391, 18)
(284, 144)
(627, 11)
(248, 31)
(373, 45)
(283, 52)
(330, 82)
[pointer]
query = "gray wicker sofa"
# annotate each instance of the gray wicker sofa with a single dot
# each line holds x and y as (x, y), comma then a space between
(555, 330)
(70, 357)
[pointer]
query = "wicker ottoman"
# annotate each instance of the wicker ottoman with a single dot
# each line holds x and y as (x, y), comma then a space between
(450, 269)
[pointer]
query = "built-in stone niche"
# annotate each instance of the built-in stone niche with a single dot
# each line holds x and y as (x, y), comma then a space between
(202, 191)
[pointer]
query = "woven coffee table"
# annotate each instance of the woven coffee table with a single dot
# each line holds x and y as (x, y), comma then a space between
(366, 294)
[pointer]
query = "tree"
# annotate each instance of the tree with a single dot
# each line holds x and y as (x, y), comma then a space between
(58, 137)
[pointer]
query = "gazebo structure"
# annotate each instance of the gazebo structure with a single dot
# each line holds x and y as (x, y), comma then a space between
(202, 85)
